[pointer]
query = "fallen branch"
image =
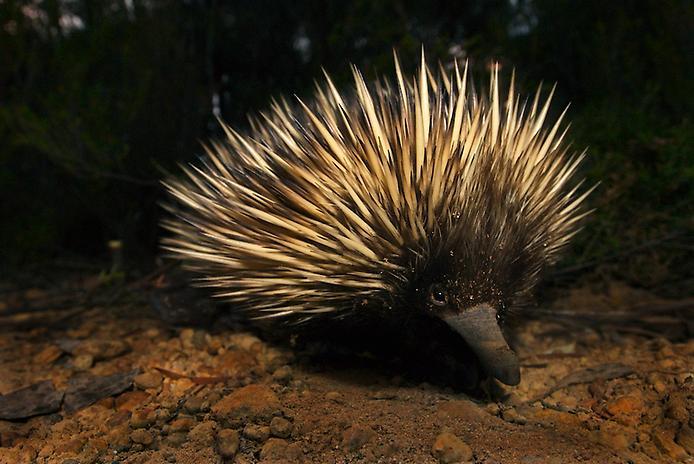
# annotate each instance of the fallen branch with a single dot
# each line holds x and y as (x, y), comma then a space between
(603, 372)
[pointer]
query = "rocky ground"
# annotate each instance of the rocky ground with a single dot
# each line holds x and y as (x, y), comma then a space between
(112, 383)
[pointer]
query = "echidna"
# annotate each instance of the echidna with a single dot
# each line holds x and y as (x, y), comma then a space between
(420, 196)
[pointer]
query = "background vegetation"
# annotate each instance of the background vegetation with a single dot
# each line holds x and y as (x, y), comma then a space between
(99, 98)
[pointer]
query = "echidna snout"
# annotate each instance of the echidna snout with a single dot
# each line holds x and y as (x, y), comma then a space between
(419, 195)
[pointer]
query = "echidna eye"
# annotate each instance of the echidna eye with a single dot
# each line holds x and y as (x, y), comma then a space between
(438, 295)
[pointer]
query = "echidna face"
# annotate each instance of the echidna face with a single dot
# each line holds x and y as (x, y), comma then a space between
(471, 295)
(478, 324)
(419, 193)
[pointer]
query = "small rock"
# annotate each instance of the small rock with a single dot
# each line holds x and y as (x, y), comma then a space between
(199, 339)
(142, 418)
(383, 395)
(182, 424)
(597, 388)
(657, 382)
(665, 352)
(186, 337)
(462, 410)
(203, 433)
(279, 449)
(102, 349)
(676, 407)
(83, 362)
(664, 440)
(142, 436)
(237, 363)
(176, 440)
(227, 443)
(666, 364)
(259, 433)
(244, 341)
(194, 405)
(357, 436)
(615, 436)
(273, 359)
(70, 446)
(151, 379)
(180, 387)
(659, 386)
(512, 415)
(626, 409)
(119, 438)
(128, 401)
(120, 417)
(334, 396)
(162, 416)
(449, 449)
(48, 355)
(280, 427)
(251, 402)
(282, 375)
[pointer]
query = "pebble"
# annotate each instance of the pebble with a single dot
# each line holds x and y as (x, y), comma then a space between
(279, 449)
(119, 438)
(237, 363)
(283, 375)
(513, 416)
(676, 407)
(48, 355)
(83, 362)
(252, 402)
(281, 427)
(142, 436)
(626, 409)
(186, 337)
(273, 359)
(182, 424)
(162, 415)
(102, 349)
(615, 436)
(244, 341)
(357, 436)
(449, 449)
(128, 401)
(461, 410)
(203, 433)
(227, 443)
(70, 446)
(665, 352)
(151, 379)
(142, 418)
(194, 405)
(176, 440)
(259, 433)
(334, 396)
(383, 395)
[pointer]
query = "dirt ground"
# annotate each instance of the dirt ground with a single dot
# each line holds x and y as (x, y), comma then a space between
(112, 383)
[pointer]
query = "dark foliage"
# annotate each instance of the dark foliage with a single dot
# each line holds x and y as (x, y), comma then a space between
(99, 99)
